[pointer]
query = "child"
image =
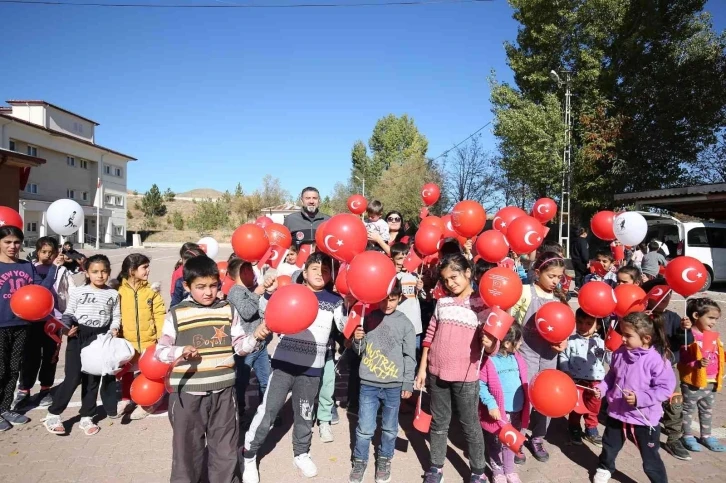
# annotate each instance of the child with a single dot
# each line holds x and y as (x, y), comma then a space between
(583, 361)
(245, 298)
(387, 345)
(142, 318)
(92, 309)
(288, 266)
(377, 227)
(539, 354)
(638, 382)
(179, 293)
(629, 276)
(605, 258)
(179, 267)
(205, 332)
(451, 352)
(411, 286)
(40, 355)
(14, 273)
(701, 369)
(297, 366)
(652, 261)
(502, 383)
(638, 255)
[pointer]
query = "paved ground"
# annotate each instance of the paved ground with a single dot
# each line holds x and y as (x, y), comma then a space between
(140, 450)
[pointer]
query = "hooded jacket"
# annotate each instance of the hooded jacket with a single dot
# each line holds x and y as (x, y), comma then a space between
(142, 315)
(648, 375)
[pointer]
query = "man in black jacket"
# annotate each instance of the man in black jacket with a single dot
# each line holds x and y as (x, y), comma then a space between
(304, 223)
(580, 256)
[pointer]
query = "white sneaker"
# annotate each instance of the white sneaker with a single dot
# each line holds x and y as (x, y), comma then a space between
(250, 473)
(326, 433)
(305, 464)
(141, 412)
(601, 476)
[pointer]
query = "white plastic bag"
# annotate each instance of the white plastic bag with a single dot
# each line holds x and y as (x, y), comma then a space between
(106, 355)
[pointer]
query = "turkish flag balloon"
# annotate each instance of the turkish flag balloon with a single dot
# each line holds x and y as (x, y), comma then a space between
(613, 340)
(686, 275)
(448, 228)
(553, 393)
(555, 322)
(320, 238)
(250, 242)
(500, 286)
(432, 221)
(32, 303)
(427, 239)
(291, 299)
(345, 237)
(10, 217)
(357, 204)
(222, 267)
(283, 280)
(597, 299)
(279, 235)
(263, 221)
(602, 225)
(370, 277)
(341, 281)
(544, 209)
(146, 392)
(525, 234)
(492, 246)
(505, 217)
(430, 194)
(152, 367)
(468, 218)
(631, 298)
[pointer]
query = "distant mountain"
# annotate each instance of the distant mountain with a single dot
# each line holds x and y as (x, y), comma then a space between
(201, 193)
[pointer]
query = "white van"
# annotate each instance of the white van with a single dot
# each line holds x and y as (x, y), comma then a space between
(705, 242)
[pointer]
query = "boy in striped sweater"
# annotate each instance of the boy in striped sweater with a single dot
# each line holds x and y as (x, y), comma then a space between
(201, 334)
(297, 366)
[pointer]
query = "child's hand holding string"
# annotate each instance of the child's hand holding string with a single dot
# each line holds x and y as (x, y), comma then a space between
(406, 394)
(488, 342)
(629, 397)
(270, 284)
(559, 347)
(495, 414)
(261, 332)
(59, 260)
(190, 352)
(686, 323)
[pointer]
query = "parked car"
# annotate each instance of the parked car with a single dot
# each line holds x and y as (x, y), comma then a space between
(703, 241)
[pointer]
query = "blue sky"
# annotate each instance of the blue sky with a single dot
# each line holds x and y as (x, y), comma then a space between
(209, 98)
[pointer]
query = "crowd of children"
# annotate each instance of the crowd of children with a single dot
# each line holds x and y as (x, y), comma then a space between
(411, 343)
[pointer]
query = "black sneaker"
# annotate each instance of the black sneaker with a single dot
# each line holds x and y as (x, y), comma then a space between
(575, 435)
(335, 418)
(383, 470)
(14, 418)
(593, 437)
(358, 472)
(520, 458)
(21, 399)
(677, 450)
(4, 425)
(536, 445)
(434, 475)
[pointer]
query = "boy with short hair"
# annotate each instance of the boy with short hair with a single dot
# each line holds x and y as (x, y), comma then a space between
(201, 334)
(605, 258)
(297, 366)
(377, 227)
(387, 345)
(652, 261)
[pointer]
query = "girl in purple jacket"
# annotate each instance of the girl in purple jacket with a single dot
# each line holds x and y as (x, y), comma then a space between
(639, 380)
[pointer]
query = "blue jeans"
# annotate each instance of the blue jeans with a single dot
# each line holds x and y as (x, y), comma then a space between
(260, 362)
(368, 403)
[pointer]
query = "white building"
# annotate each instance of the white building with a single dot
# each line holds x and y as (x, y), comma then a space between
(280, 212)
(74, 163)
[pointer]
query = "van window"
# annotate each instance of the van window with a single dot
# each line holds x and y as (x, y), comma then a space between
(707, 237)
(697, 237)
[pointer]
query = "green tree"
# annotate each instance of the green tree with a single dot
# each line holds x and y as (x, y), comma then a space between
(337, 201)
(177, 220)
(169, 195)
(209, 216)
(152, 204)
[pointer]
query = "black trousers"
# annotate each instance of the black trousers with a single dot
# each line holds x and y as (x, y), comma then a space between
(12, 343)
(204, 429)
(39, 358)
(89, 384)
(648, 441)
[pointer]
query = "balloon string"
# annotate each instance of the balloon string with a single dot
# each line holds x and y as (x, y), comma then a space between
(167, 378)
(647, 423)
(585, 387)
(685, 311)
(362, 318)
(420, 398)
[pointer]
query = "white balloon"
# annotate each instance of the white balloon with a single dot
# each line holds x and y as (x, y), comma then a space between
(209, 245)
(65, 217)
(630, 228)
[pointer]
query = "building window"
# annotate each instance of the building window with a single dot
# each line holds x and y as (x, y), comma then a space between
(11, 145)
(84, 196)
(118, 230)
(32, 151)
(71, 161)
(107, 169)
(32, 227)
(70, 194)
(119, 201)
(107, 199)
(83, 163)
(117, 172)
(31, 188)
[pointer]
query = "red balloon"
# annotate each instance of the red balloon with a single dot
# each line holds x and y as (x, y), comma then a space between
(227, 283)
(430, 194)
(10, 217)
(448, 228)
(370, 277)
(151, 367)
(432, 221)
(250, 242)
(341, 280)
(544, 209)
(278, 235)
(686, 275)
(146, 392)
(597, 299)
(427, 239)
(492, 246)
(222, 267)
(291, 299)
(320, 237)
(345, 237)
(555, 322)
(468, 218)
(500, 286)
(525, 234)
(602, 225)
(553, 393)
(505, 217)
(263, 221)
(283, 280)
(357, 204)
(32, 302)
(631, 298)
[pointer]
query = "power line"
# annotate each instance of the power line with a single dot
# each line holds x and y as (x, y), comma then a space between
(409, 3)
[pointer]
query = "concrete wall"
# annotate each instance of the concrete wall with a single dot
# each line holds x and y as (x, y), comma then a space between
(69, 124)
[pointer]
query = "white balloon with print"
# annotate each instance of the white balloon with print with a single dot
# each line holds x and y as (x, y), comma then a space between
(209, 245)
(630, 228)
(65, 217)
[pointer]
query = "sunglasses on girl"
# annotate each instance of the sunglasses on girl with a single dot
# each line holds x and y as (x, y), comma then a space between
(393, 219)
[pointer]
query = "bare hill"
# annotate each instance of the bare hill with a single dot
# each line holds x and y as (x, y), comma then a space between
(201, 193)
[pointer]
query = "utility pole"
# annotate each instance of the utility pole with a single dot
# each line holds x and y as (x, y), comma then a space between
(565, 230)
(363, 181)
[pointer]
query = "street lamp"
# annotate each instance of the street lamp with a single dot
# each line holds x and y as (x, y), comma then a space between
(566, 162)
(363, 181)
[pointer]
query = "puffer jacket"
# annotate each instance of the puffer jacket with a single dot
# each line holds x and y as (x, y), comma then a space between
(142, 315)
